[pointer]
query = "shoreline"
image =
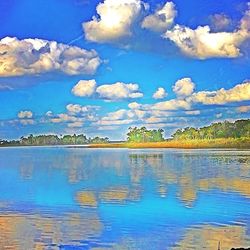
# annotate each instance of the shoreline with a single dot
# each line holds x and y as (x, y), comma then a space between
(230, 143)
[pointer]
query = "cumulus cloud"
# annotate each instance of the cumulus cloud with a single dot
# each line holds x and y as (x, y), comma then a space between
(145, 116)
(173, 104)
(70, 120)
(220, 22)
(77, 124)
(140, 113)
(25, 118)
(114, 21)
(58, 118)
(183, 108)
(117, 115)
(119, 91)
(78, 109)
(134, 105)
(76, 116)
(84, 88)
(202, 43)
(160, 93)
(25, 114)
(245, 21)
(27, 122)
(35, 56)
(240, 92)
(121, 117)
(116, 91)
(162, 19)
(184, 87)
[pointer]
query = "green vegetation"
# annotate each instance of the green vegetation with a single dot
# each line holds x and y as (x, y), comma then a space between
(144, 135)
(41, 140)
(226, 129)
(217, 135)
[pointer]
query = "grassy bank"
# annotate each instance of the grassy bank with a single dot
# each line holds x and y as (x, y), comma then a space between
(213, 143)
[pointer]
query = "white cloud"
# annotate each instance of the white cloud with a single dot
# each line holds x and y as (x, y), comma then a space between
(117, 115)
(162, 19)
(27, 122)
(111, 92)
(168, 112)
(25, 114)
(220, 21)
(107, 128)
(115, 122)
(134, 105)
(245, 21)
(243, 109)
(173, 104)
(76, 108)
(160, 93)
(84, 88)
(117, 20)
(25, 118)
(154, 120)
(240, 92)
(35, 56)
(77, 124)
(119, 91)
(161, 113)
(114, 20)
(202, 43)
(65, 118)
(121, 117)
(75, 117)
(140, 113)
(184, 87)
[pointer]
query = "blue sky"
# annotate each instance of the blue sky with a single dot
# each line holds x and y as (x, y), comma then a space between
(98, 67)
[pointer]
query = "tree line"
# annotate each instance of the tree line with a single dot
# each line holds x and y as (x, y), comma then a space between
(41, 140)
(226, 129)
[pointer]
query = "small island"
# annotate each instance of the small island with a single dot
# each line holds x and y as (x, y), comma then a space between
(217, 135)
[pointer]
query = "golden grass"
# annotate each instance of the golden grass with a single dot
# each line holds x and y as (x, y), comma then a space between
(188, 144)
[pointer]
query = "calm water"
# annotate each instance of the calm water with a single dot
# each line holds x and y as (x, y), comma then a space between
(76, 198)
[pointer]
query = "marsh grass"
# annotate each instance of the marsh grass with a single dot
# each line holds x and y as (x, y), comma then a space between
(206, 143)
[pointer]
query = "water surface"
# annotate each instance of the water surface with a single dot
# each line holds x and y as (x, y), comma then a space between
(79, 198)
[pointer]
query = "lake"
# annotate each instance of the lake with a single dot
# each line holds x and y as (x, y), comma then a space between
(80, 198)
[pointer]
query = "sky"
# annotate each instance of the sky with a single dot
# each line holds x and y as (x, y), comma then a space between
(99, 67)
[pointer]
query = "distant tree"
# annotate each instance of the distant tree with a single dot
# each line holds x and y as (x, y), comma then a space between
(144, 135)
(99, 140)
